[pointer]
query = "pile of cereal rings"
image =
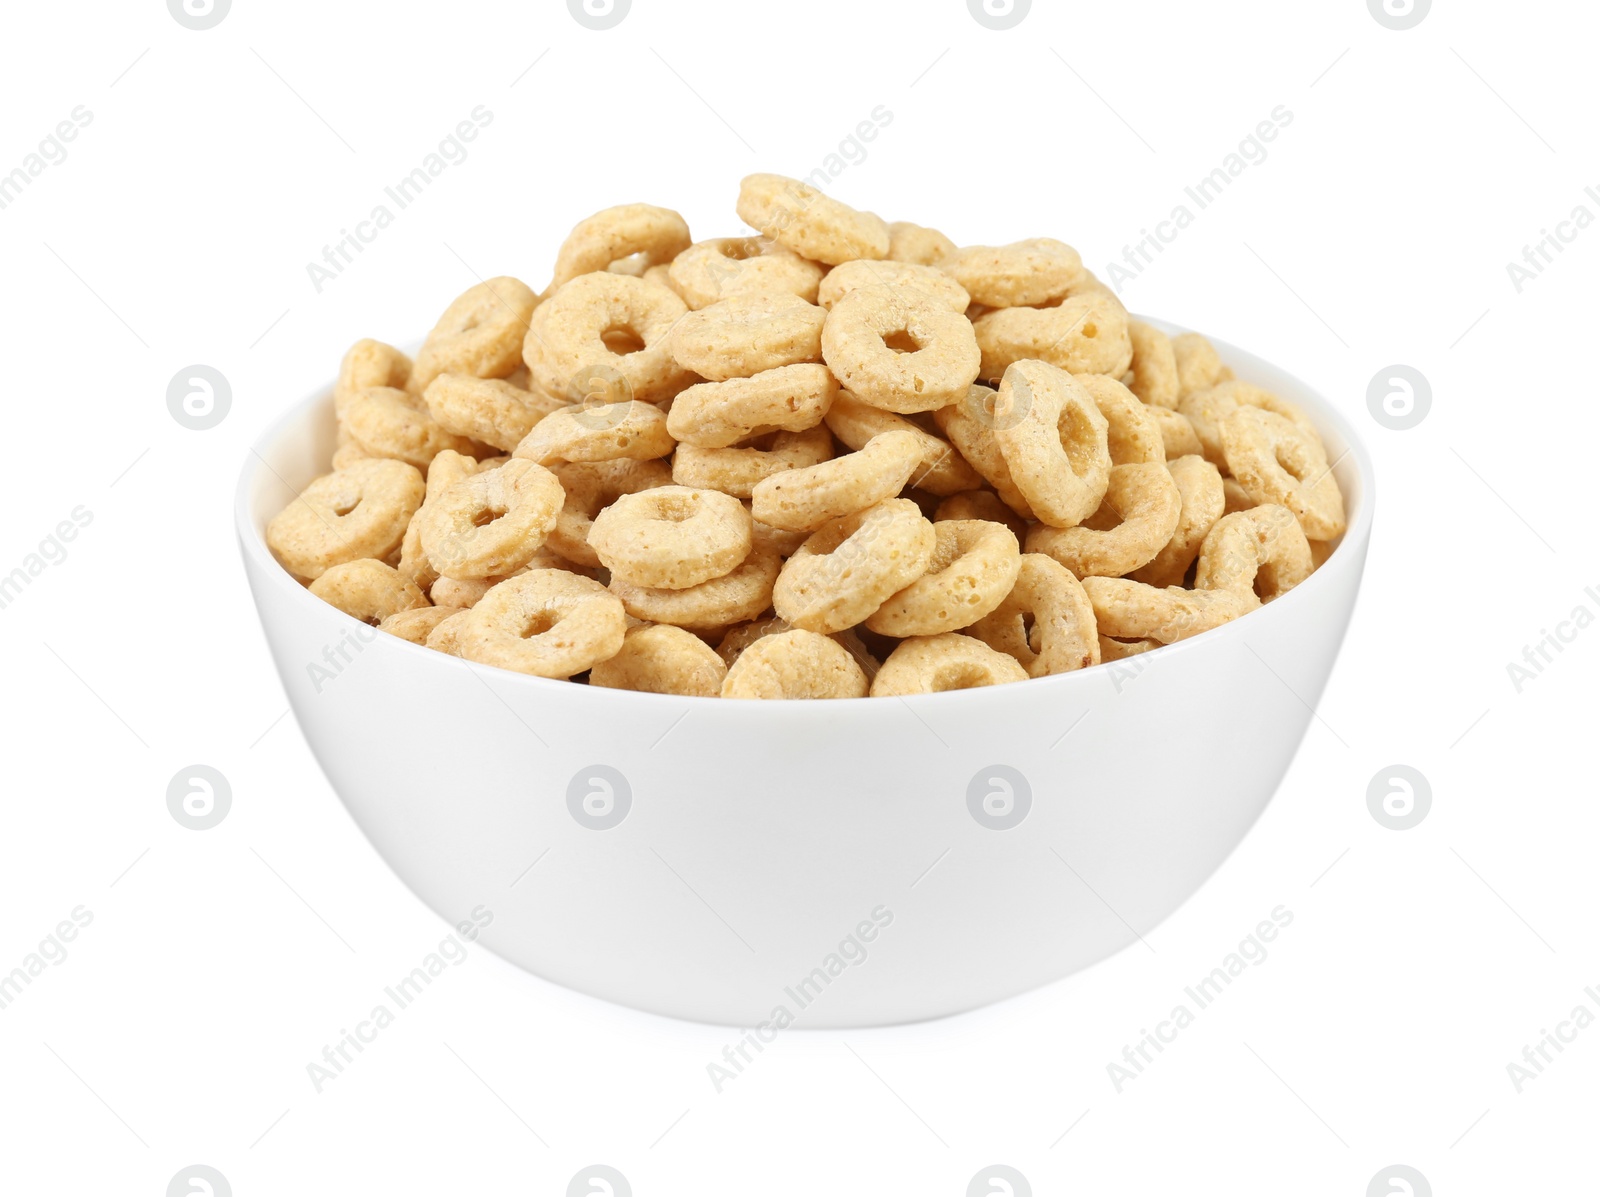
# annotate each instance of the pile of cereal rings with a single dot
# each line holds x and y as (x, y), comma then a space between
(841, 458)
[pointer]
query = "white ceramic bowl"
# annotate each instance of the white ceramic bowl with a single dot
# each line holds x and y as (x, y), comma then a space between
(819, 857)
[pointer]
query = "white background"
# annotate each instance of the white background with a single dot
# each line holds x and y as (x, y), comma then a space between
(1377, 231)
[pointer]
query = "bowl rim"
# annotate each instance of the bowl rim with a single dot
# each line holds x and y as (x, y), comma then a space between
(1348, 554)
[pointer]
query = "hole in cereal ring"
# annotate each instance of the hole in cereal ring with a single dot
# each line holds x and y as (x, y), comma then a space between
(622, 340)
(539, 623)
(901, 342)
(344, 507)
(963, 676)
(740, 248)
(677, 508)
(486, 517)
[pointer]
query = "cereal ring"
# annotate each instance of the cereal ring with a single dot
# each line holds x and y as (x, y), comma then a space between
(1208, 407)
(347, 454)
(709, 271)
(1277, 461)
(1261, 551)
(492, 522)
(812, 224)
(933, 664)
(369, 364)
(462, 592)
(1131, 610)
(1197, 363)
(981, 505)
(850, 566)
(736, 471)
(1046, 623)
(1084, 334)
(745, 334)
(633, 430)
(1155, 366)
(924, 284)
(741, 636)
(1200, 506)
(942, 471)
(485, 409)
(446, 469)
(545, 622)
(795, 664)
(1177, 434)
(897, 353)
(1132, 434)
(1137, 517)
(446, 635)
(970, 427)
(1022, 274)
(922, 247)
(715, 415)
(567, 341)
(590, 488)
(671, 537)
(357, 512)
(1235, 497)
(660, 659)
(387, 422)
(1112, 649)
(741, 594)
(480, 333)
(1053, 439)
(655, 235)
(417, 623)
(367, 590)
(806, 499)
(973, 569)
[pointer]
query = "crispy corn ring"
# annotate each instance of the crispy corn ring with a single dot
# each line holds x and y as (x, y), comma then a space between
(850, 566)
(347, 454)
(387, 422)
(715, 415)
(661, 659)
(1053, 439)
(417, 623)
(709, 271)
(633, 430)
(1135, 520)
(446, 635)
(367, 590)
(1084, 334)
(489, 410)
(1130, 610)
(444, 471)
(933, 664)
(741, 636)
(1132, 434)
(736, 470)
(1200, 498)
(899, 353)
(1154, 366)
(369, 364)
(1197, 362)
(1046, 623)
(462, 593)
(491, 523)
(970, 426)
(1023, 274)
(1277, 461)
(812, 224)
(671, 537)
(981, 505)
(590, 488)
(615, 235)
(795, 664)
(920, 246)
(804, 500)
(747, 333)
(1261, 551)
(925, 283)
(546, 622)
(973, 569)
(567, 341)
(1208, 407)
(942, 471)
(741, 594)
(1177, 434)
(354, 513)
(1112, 649)
(480, 333)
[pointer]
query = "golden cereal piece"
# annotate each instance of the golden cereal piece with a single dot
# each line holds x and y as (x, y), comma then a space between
(709, 271)
(369, 364)
(1178, 436)
(480, 333)
(1261, 551)
(1235, 497)
(850, 566)
(804, 500)
(747, 333)
(920, 246)
(741, 594)
(1197, 362)
(660, 659)
(716, 415)
(1053, 438)
(942, 471)
(1277, 461)
(973, 569)
(1208, 407)
(795, 664)
(923, 283)
(607, 432)
(615, 235)
(489, 410)
(446, 469)
(1200, 505)
(970, 426)
(347, 454)
(1132, 434)
(981, 505)
(1084, 334)
(491, 523)
(387, 422)
(1112, 649)
(591, 487)
(1046, 623)
(608, 331)
(417, 623)
(1137, 517)
(736, 470)
(932, 664)
(1155, 365)
(1130, 610)
(899, 353)
(546, 622)
(671, 537)
(367, 590)
(814, 225)
(354, 513)
(446, 635)
(1023, 274)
